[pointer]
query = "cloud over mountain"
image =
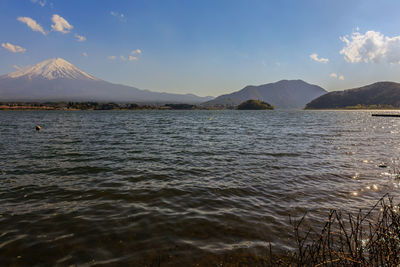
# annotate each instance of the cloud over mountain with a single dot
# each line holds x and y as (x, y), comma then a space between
(121, 16)
(136, 51)
(318, 59)
(336, 76)
(42, 3)
(371, 47)
(13, 48)
(60, 24)
(80, 38)
(31, 23)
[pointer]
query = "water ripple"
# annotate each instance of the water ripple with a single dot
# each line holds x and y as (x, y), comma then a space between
(143, 187)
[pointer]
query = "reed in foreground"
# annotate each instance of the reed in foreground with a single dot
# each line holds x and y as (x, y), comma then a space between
(370, 239)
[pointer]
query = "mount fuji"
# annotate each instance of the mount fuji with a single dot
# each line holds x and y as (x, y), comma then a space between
(58, 80)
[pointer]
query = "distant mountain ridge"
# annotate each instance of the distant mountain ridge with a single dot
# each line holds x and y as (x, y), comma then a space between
(58, 80)
(379, 94)
(284, 94)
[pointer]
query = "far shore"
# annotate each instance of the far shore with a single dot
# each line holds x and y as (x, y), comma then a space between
(76, 106)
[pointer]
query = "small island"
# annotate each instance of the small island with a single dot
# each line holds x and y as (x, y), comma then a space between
(254, 105)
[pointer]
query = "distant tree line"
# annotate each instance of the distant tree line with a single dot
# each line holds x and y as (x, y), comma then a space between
(101, 106)
(359, 106)
(91, 105)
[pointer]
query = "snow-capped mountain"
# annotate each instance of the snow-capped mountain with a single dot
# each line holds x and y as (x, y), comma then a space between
(58, 80)
(54, 68)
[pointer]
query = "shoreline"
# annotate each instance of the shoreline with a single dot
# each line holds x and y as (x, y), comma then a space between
(166, 109)
(93, 106)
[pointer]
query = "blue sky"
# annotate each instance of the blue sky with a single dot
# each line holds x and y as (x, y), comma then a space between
(208, 47)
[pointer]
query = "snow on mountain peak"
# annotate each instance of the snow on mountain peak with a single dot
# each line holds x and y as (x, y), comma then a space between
(54, 68)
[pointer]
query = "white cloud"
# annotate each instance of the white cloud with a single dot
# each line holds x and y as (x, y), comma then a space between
(337, 76)
(42, 3)
(371, 47)
(13, 48)
(31, 23)
(118, 15)
(318, 59)
(137, 51)
(80, 38)
(84, 54)
(123, 58)
(60, 24)
(17, 67)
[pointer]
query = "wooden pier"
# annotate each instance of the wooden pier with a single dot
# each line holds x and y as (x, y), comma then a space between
(385, 115)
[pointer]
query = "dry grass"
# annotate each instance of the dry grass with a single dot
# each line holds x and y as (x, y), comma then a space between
(370, 239)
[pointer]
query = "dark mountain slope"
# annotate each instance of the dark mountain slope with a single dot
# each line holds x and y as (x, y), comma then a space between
(285, 94)
(380, 94)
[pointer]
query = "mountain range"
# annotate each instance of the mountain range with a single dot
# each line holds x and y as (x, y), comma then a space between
(284, 94)
(58, 80)
(376, 94)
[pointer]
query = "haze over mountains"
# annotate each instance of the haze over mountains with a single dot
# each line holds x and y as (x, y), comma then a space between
(285, 94)
(58, 80)
(379, 94)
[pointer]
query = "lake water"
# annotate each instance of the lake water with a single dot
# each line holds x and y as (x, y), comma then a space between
(151, 188)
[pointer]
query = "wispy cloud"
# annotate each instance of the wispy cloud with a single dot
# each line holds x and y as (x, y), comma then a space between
(84, 54)
(337, 76)
(134, 54)
(42, 3)
(315, 57)
(121, 16)
(132, 57)
(80, 38)
(13, 48)
(31, 23)
(60, 24)
(371, 47)
(17, 67)
(136, 51)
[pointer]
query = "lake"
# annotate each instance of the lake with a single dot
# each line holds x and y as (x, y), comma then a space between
(150, 188)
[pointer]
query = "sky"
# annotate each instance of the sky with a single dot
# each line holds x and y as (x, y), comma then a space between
(208, 47)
